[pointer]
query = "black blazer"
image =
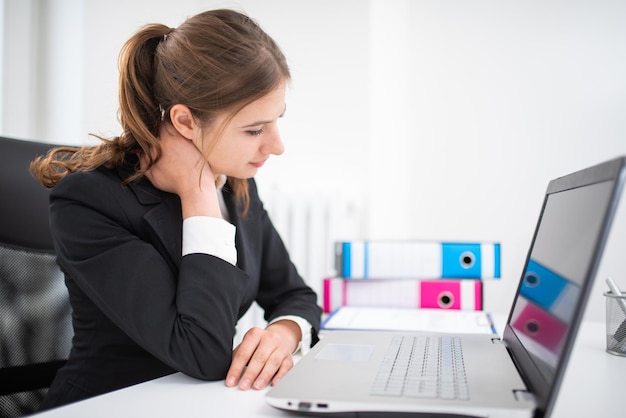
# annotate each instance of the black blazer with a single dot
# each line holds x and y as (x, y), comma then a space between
(140, 309)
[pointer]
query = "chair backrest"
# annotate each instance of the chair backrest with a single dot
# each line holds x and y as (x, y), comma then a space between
(35, 315)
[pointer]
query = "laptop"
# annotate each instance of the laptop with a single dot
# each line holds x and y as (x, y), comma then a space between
(355, 373)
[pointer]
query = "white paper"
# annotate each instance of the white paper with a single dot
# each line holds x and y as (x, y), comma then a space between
(398, 319)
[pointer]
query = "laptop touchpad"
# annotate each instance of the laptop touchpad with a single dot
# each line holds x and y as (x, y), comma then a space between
(345, 352)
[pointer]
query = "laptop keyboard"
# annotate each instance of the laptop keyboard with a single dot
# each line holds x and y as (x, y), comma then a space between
(423, 367)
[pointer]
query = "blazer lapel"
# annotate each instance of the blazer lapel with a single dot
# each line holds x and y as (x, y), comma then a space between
(163, 215)
(235, 219)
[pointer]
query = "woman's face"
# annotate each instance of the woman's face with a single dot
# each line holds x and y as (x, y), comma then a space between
(249, 138)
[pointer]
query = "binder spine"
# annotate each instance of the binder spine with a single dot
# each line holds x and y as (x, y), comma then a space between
(434, 294)
(418, 260)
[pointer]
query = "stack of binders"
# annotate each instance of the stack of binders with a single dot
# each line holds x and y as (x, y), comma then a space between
(411, 274)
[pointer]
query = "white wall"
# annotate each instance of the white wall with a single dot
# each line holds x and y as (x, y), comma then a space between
(19, 62)
(448, 117)
(507, 95)
(2, 36)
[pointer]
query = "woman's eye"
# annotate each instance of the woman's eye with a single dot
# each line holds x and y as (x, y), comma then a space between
(255, 133)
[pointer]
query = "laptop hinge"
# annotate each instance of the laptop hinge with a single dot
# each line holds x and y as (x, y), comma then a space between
(496, 341)
(523, 396)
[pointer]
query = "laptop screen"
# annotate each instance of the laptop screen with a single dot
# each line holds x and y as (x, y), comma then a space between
(559, 273)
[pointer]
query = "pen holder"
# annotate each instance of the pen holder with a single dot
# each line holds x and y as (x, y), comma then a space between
(616, 323)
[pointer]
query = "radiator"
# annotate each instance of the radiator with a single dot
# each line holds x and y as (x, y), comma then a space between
(309, 226)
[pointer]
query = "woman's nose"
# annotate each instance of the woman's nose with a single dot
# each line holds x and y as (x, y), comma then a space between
(274, 143)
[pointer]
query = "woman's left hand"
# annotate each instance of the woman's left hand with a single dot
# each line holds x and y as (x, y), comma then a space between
(264, 355)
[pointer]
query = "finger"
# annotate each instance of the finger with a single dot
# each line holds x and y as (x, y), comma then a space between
(279, 362)
(262, 359)
(264, 362)
(285, 366)
(236, 369)
(241, 356)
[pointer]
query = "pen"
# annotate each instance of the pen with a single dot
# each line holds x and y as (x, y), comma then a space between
(617, 292)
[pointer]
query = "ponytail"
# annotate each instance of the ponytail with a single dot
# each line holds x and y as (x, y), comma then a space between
(139, 115)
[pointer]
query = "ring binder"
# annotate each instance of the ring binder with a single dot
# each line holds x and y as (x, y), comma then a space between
(417, 260)
(459, 294)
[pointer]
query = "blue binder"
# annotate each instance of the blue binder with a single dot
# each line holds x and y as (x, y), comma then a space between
(455, 260)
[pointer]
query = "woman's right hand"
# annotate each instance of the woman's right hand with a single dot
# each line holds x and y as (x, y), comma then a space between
(183, 170)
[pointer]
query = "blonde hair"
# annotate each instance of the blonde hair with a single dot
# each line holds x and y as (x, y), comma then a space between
(214, 62)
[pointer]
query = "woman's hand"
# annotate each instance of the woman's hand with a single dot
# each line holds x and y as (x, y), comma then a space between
(183, 170)
(264, 355)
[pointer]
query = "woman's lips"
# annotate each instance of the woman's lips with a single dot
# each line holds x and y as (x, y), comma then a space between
(258, 164)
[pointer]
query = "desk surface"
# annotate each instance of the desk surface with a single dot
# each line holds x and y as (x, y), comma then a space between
(591, 386)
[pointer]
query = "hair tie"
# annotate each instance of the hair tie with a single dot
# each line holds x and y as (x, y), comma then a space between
(162, 112)
(166, 35)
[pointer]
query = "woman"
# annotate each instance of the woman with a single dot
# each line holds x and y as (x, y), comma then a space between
(160, 232)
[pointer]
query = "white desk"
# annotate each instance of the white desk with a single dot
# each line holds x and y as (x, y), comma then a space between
(593, 387)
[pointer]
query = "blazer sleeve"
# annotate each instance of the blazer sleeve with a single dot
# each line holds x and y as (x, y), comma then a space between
(186, 316)
(282, 291)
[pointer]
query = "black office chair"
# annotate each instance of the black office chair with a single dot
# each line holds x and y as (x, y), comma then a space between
(35, 315)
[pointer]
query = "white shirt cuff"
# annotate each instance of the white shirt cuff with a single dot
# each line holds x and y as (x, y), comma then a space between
(305, 328)
(208, 235)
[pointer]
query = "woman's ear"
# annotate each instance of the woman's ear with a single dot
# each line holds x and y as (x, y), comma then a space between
(183, 121)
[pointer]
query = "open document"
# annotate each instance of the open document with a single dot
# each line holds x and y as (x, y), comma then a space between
(405, 319)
